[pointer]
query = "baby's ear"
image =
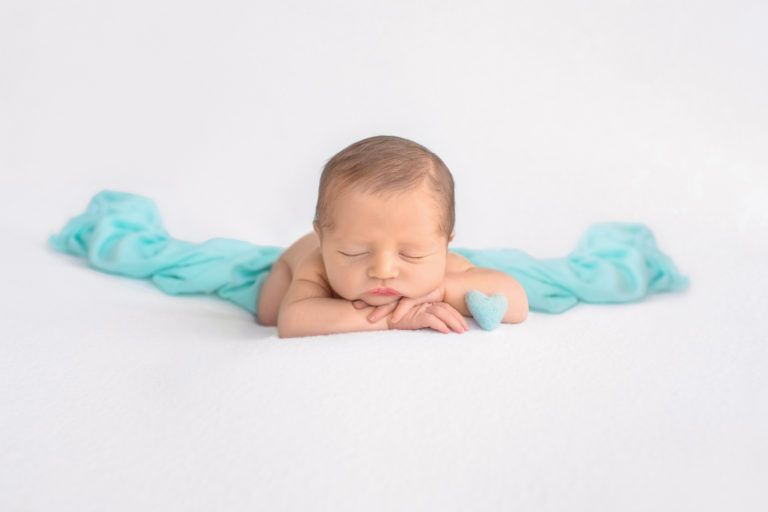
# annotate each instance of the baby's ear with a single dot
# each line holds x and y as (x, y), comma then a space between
(453, 234)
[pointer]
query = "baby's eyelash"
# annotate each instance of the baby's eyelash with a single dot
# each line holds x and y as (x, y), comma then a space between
(363, 253)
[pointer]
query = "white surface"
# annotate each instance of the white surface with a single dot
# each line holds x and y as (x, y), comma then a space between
(115, 396)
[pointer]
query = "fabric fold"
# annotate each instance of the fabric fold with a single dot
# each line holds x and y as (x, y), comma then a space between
(122, 233)
(614, 262)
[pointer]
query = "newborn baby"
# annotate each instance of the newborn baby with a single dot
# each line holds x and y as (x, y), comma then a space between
(378, 257)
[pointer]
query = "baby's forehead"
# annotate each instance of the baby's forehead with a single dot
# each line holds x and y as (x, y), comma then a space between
(412, 214)
(423, 201)
(419, 235)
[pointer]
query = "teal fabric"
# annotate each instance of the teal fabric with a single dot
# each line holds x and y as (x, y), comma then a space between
(122, 233)
(613, 262)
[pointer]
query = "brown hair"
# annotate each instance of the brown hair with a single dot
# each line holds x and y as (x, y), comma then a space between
(385, 164)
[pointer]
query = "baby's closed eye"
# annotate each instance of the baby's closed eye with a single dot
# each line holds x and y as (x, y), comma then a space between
(364, 253)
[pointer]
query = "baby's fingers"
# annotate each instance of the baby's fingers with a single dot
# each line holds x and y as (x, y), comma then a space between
(381, 312)
(458, 316)
(451, 317)
(438, 325)
(402, 308)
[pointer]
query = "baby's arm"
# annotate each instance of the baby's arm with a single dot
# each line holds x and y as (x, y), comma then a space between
(313, 316)
(488, 281)
(309, 310)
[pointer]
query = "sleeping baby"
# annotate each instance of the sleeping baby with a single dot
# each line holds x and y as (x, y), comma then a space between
(378, 257)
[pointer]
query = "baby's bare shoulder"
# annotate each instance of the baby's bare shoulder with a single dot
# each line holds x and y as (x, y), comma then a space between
(310, 267)
(309, 280)
(299, 249)
(455, 262)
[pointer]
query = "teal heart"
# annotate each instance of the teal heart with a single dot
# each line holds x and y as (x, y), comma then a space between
(487, 311)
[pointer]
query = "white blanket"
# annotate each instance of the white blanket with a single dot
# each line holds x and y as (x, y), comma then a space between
(185, 403)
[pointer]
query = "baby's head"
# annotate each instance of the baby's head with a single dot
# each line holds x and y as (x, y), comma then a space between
(384, 216)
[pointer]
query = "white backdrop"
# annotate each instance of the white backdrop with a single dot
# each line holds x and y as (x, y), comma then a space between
(551, 115)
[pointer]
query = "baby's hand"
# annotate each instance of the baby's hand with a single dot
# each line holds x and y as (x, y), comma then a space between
(439, 316)
(386, 308)
(404, 304)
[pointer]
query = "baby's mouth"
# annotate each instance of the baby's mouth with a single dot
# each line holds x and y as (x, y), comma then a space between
(383, 292)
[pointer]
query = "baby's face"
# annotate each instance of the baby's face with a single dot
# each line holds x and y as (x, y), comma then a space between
(384, 242)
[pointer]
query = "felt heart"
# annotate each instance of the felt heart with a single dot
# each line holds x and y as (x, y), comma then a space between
(487, 311)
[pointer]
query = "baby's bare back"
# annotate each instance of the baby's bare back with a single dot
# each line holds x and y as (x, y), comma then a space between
(280, 276)
(299, 250)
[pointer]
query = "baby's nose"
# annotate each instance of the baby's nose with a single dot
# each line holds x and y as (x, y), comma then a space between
(382, 267)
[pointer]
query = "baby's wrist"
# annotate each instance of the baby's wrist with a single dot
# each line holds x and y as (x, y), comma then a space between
(455, 287)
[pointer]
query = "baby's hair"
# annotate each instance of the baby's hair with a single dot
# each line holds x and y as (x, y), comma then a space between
(385, 164)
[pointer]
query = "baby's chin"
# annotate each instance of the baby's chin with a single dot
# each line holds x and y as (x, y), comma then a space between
(379, 300)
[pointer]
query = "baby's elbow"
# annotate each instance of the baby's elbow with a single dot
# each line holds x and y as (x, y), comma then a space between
(519, 305)
(282, 331)
(523, 315)
(292, 321)
(286, 331)
(285, 325)
(289, 331)
(515, 316)
(523, 304)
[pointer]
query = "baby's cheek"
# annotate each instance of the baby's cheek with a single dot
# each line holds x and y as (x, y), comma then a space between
(339, 285)
(427, 281)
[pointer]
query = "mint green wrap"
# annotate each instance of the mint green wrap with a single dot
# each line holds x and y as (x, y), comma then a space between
(122, 233)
